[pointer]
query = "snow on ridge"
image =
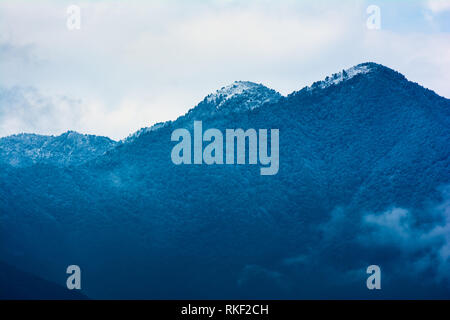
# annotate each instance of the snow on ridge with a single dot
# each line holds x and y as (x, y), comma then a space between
(219, 98)
(228, 92)
(341, 76)
(25, 149)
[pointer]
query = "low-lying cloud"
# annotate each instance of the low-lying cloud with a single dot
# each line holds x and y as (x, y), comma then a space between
(412, 247)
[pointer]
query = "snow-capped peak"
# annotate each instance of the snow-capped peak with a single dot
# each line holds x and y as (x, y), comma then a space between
(237, 97)
(228, 92)
(343, 76)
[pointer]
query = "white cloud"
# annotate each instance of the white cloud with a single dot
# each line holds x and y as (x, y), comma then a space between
(438, 6)
(24, 109)
(422, 247)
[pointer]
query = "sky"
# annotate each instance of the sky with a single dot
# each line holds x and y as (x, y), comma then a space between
(134, 63)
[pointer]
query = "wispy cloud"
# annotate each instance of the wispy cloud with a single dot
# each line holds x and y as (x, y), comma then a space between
(25, 109)
(406, 243)
(438, 6)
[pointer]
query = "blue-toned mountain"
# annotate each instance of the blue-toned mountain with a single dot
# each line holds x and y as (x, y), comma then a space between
(364, 161)
(69, 148)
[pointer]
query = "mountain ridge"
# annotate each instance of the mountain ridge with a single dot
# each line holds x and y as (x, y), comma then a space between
(360, 160)
(65, 149)
(237, 98)
(220, 96)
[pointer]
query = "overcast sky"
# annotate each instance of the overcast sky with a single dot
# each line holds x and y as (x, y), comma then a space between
(134, 63)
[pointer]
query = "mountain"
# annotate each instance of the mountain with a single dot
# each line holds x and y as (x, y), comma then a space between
(66, 149)
(363, 179)
(345, 75)
(238, 97)
(241, 96)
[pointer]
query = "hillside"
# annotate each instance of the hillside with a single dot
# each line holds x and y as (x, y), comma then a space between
(364, 165)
